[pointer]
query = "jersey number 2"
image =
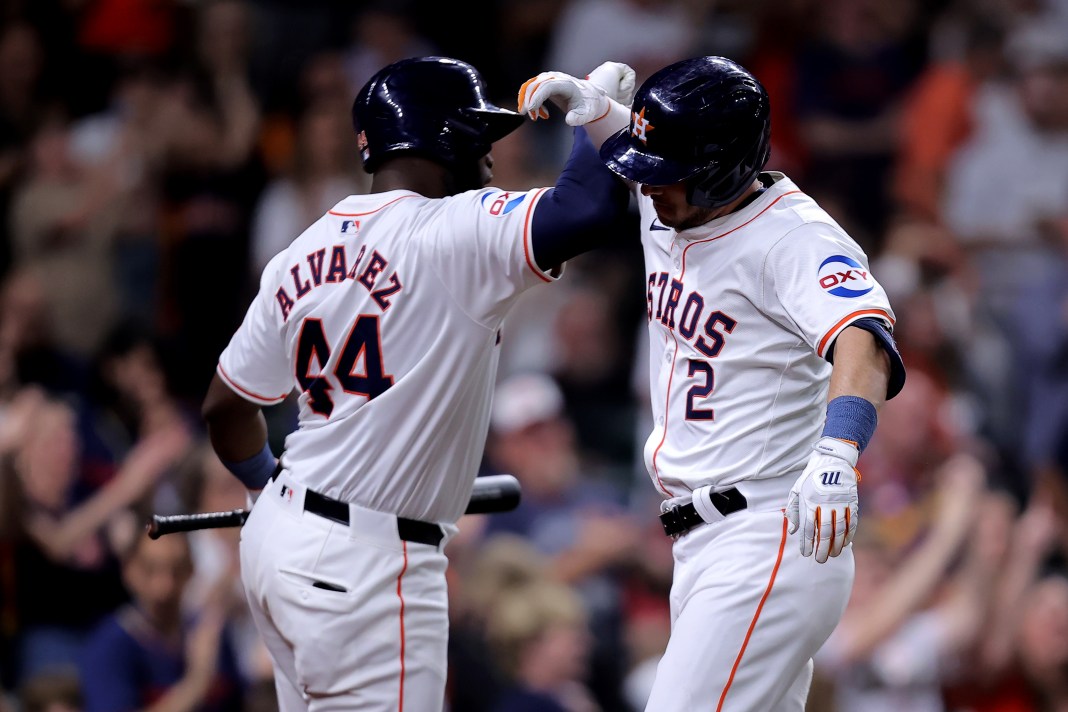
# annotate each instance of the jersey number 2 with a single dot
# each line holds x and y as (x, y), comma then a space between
(364, 339)
(700, 390)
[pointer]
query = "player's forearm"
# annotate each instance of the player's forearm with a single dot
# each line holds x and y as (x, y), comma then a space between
(236, 427)
(617, 117)
(577, 214)
(861, 367)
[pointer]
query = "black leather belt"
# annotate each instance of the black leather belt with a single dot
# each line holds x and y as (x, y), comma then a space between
(685, 517)
(407, 529)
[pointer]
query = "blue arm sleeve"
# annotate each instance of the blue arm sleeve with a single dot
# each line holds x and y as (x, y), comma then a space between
(885, 339)
(578, 214)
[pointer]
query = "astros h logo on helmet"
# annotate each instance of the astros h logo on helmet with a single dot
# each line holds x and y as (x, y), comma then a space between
(641, 125)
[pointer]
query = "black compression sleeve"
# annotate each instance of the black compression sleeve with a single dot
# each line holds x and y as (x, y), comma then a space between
(578, 213)
(885, 339)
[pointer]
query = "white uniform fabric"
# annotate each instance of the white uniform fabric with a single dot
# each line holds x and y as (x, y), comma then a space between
(742, 311)
(442, 275)
(385, 314)
(376, 645)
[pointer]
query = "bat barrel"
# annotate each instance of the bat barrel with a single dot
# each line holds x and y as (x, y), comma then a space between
(494, 493)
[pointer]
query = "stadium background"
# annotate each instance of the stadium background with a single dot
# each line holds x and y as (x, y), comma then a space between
(155, 153)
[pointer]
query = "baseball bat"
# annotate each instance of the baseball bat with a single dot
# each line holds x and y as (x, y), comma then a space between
(491, 493)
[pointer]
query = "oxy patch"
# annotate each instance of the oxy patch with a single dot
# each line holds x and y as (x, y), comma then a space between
(843, 276)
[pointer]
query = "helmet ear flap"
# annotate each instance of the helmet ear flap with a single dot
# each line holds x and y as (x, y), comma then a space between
(721, 186)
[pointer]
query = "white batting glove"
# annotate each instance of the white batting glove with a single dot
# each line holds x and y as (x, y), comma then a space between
(823, 502)
(583, 100)
(617, 80)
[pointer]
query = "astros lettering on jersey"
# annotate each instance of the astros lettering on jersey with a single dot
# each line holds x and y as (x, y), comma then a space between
(742, 311)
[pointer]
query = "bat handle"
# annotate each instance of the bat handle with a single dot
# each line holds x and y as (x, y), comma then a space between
(160, 525)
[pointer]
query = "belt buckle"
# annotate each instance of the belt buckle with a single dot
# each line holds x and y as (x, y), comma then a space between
(672, 513)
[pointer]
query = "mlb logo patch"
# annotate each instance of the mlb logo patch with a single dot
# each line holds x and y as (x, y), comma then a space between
(843, 276)
(499, 204)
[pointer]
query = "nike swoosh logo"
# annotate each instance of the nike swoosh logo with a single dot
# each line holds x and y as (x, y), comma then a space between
(654, 226)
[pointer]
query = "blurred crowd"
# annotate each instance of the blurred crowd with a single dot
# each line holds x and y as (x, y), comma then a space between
(154, 154)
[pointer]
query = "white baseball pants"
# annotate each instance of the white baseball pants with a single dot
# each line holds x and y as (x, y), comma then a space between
(376, 645)
(748, 612)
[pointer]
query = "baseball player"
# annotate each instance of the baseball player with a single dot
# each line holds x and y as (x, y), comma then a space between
(770, 354)
(386, 316)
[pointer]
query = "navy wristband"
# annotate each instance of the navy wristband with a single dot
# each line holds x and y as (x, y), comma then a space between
(851, 418)
(256, 470)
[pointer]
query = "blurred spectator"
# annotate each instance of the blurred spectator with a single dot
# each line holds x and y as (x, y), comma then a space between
(480, 571)
(646, 612)
(63, 227)
(779, 31)
(937, 117)
(896, 640)
(216, 575)
(123, 27)
(851, 81)
(1040, 341)
(901, 463)
(134, 395)
(321, 83)
(154, 154)
(123, 148)
(21, 103)
(22, 108)
(591, 367)
(1043, 641)
(56, 692)
(996, 674)
(325, 170)
(1006, 192)
(578, 522)
(211, 184)
(523, 42)
(1010, 179)
(382, 33)
(541, 640)
(29, 352)
(148, 655)
(646, 35)
(58, 545)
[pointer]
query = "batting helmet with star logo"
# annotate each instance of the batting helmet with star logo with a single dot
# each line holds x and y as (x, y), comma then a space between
(705, 121)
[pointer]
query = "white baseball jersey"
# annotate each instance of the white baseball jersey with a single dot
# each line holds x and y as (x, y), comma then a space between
(741, 313)
(385, 315)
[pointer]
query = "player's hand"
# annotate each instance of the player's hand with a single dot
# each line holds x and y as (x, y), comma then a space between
(823, 502)
(617, 80)
(583, 100)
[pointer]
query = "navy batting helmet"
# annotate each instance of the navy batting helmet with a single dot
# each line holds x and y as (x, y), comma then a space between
(433, 107)
(705, 121)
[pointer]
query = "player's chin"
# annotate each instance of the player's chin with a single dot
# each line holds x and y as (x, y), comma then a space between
(689, 218)
(665, 213)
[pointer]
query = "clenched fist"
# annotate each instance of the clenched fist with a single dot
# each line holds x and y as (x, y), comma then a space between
(583, 100)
